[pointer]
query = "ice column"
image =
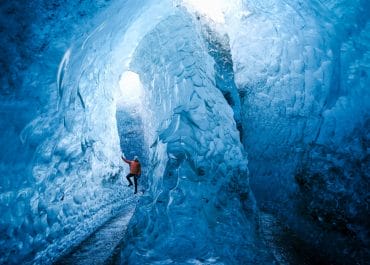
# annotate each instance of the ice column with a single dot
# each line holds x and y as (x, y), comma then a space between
(199, 206)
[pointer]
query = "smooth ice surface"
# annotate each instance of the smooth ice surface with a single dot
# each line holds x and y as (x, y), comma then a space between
(191, 87)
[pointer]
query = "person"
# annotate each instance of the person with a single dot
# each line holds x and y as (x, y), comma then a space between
(135, 170)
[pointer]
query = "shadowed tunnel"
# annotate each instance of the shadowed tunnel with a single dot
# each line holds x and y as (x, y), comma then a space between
(251, 120)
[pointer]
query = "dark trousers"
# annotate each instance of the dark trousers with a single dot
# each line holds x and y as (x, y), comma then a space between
(135, 180)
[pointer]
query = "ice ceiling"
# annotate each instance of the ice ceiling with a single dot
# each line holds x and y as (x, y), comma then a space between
(246, 106)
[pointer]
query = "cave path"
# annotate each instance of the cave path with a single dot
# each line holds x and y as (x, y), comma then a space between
(100, 246)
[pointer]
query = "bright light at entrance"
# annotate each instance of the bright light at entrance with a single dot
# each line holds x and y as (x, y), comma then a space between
(131, 89)
(214, 9)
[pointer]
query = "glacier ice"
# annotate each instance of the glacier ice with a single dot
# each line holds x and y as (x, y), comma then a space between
(305, 106)
(200, 170)
(285, 82)
(61, 171)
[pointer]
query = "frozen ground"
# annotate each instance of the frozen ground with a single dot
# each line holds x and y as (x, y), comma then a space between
(101, 246)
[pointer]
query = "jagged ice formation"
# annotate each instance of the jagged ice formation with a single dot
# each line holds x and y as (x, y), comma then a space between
(232, 101)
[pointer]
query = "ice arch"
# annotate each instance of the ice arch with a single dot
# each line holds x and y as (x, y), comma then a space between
(300, 71)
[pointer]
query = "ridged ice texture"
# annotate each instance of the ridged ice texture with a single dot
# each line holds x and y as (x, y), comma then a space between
(60, 173)
(199, 207)
(298, 64)
(303, 74)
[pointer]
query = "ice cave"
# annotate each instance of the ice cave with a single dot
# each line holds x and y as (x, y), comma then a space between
(250, 120)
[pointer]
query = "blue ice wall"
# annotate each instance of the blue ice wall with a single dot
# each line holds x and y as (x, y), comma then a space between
(219, 48)
(60, 158)
(303, 73)
(292, 77)
(198, 199)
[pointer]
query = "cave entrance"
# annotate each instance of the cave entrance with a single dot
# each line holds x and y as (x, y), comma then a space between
(129, 120)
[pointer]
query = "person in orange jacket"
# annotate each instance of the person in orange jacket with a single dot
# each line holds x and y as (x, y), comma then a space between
(135, 170)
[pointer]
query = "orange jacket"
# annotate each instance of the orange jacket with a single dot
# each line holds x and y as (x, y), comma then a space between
(135, 167)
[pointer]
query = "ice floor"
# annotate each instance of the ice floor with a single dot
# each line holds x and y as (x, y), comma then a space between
(102, 245)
